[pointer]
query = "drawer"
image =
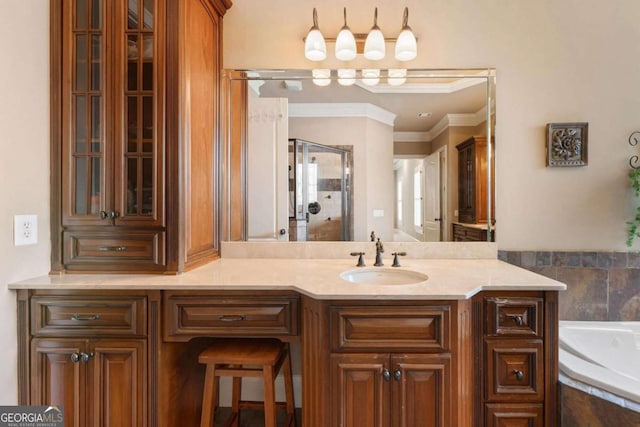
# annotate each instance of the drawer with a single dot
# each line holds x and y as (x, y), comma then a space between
(411, 328)
(468, 234)
(515, 316)
(192, 315)
(114, 250)
(88, 316)
(515, 370)
(513, 415)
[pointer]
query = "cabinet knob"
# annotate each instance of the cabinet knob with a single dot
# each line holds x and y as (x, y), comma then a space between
(75, 357)
(86, 357)
(386, 375)
(517, 319)
(519, 374)
(397, 374)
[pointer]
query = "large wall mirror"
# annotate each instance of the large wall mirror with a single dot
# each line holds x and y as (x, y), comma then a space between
(327, 157)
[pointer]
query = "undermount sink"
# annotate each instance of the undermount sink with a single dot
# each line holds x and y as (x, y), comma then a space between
(383, 276)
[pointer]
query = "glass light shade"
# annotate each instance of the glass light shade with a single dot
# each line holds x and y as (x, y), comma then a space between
(406, 45)
(345, 45)
(315, 48)
(396, 76)
(374, 46)
(346, 76)
(321, 77)
(370, 77)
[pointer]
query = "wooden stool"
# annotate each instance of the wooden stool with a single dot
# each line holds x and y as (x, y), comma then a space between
(227, 358)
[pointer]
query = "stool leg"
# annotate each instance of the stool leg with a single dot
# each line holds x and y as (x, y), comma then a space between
(208, 397)
(269, 397)
(288, 388)
(235, 400)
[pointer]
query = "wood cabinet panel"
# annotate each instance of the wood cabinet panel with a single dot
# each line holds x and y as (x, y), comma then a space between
(462, 233)
(473, 166)
(515, 370)
(189, 315)
(84, 316)
(515, 316)
(514, 415)
(424, 328)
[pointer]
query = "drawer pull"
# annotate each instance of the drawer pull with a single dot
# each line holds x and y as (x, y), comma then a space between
(386, 375)
(519, 375)
(518, 320)
(112, 248)
(237, 318)
(79, 318)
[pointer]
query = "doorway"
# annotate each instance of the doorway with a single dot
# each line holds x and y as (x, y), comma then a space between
(319, 192)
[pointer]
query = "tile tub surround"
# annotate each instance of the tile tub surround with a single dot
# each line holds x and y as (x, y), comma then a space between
(600, 285)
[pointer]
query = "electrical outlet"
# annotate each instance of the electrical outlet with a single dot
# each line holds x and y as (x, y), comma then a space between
(25, 230)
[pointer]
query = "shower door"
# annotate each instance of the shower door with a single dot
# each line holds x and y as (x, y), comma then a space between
(319, 192)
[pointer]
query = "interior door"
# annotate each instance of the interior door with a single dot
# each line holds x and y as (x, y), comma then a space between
(432, 203)
(267, 187)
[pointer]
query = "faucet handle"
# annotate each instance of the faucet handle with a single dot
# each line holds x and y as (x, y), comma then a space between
(396, 262)
(379, 247)
(373, 236)
(360, 256)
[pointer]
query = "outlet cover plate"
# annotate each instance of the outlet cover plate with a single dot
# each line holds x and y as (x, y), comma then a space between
(25, 230)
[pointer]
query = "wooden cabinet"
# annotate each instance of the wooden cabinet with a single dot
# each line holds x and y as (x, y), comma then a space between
(127, 81)
(90, 353)
(518, 354)
(473, 167)
(465, 233)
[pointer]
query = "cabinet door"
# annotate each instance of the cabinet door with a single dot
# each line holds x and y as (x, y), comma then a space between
(56, 379)
(359, 390)
(466, 184)
(116, 383)
(514, 415)
(421, 390)
(84, 112)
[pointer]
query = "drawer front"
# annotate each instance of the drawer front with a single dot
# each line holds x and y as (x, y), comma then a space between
(515, 316)
(468, 234)
(83, 316)
(195, 316)
(114, 250)
(513, 415)
(515, 370)
(412, 328)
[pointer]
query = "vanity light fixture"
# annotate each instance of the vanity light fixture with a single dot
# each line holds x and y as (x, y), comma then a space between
(346, 76)
(321, 76)
(374, 46)
(315, 48)
(370, 77)
(345, 42)
(348, 45)
(396, 76)
(406, 44)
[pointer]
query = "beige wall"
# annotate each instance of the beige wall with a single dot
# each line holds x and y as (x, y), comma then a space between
(552, 66)
(24, 161)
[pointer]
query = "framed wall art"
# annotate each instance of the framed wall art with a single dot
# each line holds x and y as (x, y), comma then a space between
(567, 144)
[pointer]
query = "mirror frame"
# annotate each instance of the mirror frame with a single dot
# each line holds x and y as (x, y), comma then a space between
(233, 153)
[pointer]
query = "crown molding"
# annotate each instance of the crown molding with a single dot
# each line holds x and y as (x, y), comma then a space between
(449, 120)
(355, 109)
(454, 86)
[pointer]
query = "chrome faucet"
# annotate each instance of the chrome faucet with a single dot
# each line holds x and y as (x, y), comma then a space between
(379, 251)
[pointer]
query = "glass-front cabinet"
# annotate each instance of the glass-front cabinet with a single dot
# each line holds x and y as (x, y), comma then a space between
(112, 143)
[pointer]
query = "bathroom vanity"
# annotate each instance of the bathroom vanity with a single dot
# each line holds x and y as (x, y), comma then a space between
(475, 344)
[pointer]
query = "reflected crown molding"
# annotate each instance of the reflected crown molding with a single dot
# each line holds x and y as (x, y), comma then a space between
(449, 87)
(350, 109)
(449, 120)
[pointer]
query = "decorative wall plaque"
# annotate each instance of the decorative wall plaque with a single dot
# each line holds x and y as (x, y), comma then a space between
(567, 144)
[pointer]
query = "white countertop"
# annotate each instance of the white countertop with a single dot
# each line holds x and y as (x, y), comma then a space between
(318, 278)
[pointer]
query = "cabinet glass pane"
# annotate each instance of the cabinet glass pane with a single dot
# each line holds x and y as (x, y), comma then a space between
(96, 59)
(82, 10)
(81, 186)
(132, 123)
(95, 184)
(132, 63)
(147, 186)
(95, 124)
(81, 124)
(96, 14)
(148, 13)
(132, 186)
(147, 64)
(133, 14)
(147, 117)
(81, 62)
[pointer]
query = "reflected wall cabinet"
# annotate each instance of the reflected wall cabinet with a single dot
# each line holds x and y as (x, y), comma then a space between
(473, 166)
(126, 84)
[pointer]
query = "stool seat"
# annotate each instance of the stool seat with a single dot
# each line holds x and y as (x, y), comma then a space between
(243, 352)
(240, 358)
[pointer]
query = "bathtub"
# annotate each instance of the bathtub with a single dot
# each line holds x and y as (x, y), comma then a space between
(602, 359)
